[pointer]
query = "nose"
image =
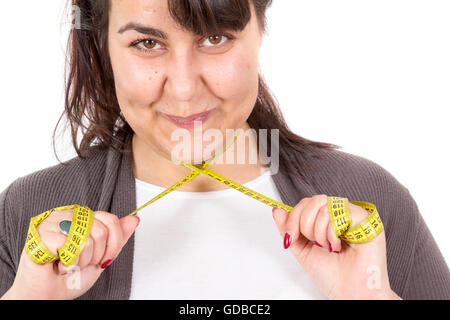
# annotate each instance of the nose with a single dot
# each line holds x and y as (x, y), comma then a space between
(182, 76)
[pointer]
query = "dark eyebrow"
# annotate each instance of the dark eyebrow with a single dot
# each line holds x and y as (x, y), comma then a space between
(143, 29)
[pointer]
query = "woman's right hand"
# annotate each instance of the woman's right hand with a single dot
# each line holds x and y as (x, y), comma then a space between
(55, 281)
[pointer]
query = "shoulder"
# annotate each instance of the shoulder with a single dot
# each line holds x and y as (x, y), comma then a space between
(350, 171)
(42, 188)
(76, 181)
(348, 175)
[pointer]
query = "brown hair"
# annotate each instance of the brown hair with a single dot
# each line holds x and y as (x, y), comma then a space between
(90, 90)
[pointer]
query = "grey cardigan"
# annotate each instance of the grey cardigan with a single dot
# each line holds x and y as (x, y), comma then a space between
(104, 181)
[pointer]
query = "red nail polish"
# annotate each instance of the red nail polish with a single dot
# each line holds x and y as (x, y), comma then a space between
(336, 251)
(287, 240)
(329, 247)
(106, 264)
(317, 244)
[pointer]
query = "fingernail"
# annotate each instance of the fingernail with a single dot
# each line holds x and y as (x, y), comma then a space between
(317, 244)
(287, 240)
(106, 264)
(329, 247)
(273, 209)
(336, 251)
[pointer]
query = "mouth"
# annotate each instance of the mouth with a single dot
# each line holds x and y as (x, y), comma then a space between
(190, 121)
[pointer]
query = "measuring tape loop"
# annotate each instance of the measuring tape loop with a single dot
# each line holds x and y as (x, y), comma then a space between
(83, 218)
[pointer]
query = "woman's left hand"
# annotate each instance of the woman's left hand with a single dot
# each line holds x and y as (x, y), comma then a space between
(339, 269)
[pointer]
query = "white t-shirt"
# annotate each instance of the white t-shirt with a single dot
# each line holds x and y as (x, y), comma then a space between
(213, 245)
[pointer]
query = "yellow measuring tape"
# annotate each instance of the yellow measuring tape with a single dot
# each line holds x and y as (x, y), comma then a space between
(83, 218)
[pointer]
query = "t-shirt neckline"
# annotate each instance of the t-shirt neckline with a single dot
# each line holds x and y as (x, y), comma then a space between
(201, 195)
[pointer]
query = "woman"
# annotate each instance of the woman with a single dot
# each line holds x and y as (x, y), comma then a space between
(140, 71)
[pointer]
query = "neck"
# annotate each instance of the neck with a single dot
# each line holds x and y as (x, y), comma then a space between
(150, 167)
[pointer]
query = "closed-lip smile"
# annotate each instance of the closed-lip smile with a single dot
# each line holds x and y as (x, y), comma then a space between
(189, 121)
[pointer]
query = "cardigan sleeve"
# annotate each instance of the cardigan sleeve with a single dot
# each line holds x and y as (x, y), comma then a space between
(416, 266)
(429, 276)
(7, 269)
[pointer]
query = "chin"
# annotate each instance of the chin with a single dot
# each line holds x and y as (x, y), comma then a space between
(179, 153)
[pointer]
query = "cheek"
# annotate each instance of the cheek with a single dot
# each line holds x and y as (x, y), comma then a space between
(234, 77)
(236, 82)
(136, 83)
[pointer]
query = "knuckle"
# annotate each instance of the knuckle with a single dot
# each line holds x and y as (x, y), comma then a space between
(101, 212)
(301, 204)
(100, 232)
(320, 198)
(108, 218)
(305, 200)
(113, 219)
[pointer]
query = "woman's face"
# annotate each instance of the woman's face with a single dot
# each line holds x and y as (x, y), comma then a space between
(179, 74)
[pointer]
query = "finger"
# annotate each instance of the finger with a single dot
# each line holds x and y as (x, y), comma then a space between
(115, 236)
(128, 225)
(49, 230)
(99, 235)
(321, 226)
(280, 217)
(293, 219)
(309, 214)
(53, 240)
(51, 223)
(86, 254)
(335, 242)
(63, 270)
(357, 213)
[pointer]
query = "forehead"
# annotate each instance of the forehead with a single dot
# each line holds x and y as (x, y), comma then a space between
(140, 9)
(222, 15)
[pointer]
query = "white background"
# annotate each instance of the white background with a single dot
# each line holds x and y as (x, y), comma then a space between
(381, 67)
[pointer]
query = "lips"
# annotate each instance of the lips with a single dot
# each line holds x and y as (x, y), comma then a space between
(190, 121)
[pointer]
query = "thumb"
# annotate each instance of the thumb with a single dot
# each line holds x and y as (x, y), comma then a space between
(280, 216)
(128, 225)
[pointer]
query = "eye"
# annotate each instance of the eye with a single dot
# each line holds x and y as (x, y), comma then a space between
(145, 44)
(149, 45)
(215, 40)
